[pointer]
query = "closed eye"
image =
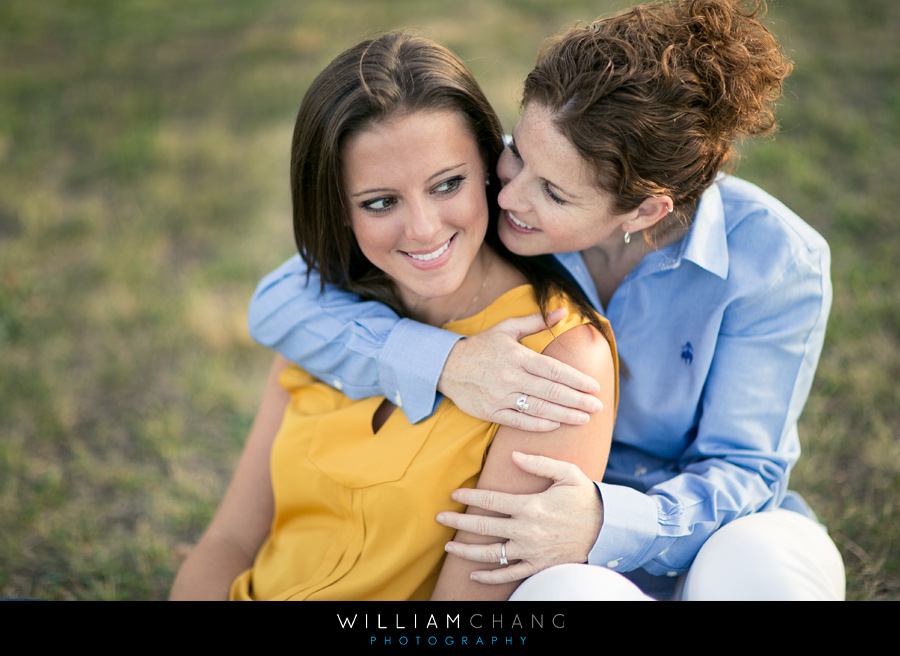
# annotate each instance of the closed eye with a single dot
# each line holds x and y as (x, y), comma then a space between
(549, 192)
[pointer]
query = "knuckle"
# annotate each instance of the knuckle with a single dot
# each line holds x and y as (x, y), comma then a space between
(538, 407)
(508, 575)
(468, 551)
(532, 508)
(515, 421)
(574, 417)
(519, 356)
(556, 371)
(487, 502)
(537, 511)
(553, 392)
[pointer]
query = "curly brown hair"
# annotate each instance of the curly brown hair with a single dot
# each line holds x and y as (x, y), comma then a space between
(655, 97)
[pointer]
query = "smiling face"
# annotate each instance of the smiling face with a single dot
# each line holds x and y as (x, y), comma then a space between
(415, 186)
(551, 201)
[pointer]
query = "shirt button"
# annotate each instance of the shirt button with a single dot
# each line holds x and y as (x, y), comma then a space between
(640, 470)
(613, 563)
(671, 573)
(397, 401)
(337, 385)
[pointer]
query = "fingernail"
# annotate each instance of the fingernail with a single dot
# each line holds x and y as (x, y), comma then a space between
(596, 406)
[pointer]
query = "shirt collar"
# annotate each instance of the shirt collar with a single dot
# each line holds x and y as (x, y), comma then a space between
(706, 243)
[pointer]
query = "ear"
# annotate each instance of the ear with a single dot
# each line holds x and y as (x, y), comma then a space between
(650, 212)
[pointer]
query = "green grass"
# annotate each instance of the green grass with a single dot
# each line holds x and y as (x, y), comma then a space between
(144, 193)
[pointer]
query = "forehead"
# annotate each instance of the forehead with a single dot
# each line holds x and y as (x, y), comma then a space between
(549, 152)
(410, 142)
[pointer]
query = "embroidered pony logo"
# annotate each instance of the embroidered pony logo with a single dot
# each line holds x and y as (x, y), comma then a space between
(687, 353)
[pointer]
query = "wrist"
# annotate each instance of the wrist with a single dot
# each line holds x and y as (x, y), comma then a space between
(448, 376)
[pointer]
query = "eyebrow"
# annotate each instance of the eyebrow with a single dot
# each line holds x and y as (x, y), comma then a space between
(512, 145)
(432, 177)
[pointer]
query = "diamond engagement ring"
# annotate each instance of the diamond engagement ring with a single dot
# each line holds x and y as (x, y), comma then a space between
(521, 403)
(503, 560)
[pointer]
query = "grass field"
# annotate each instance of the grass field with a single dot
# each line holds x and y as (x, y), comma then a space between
(143, 192)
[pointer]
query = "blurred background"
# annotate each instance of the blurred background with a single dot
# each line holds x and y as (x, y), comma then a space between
(143, 193)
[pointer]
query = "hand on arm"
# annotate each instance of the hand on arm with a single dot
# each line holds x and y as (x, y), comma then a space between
(585, 446)
(486, 373)
(554, 527)
(242, 521)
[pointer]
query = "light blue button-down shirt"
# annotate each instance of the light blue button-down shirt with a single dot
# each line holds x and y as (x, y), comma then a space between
(720, 333)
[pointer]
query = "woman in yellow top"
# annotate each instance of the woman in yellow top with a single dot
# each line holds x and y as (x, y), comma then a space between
(394, 187)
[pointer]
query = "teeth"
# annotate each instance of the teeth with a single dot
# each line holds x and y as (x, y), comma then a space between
(431, 256)
(519, 223)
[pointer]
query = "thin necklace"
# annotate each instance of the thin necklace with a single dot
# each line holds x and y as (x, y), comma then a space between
(477, 294)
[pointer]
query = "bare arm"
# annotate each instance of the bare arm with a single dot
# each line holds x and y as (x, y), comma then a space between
(242, 521)
(586, 446)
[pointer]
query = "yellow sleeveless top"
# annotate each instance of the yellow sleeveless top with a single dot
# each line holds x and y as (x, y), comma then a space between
(355, 510)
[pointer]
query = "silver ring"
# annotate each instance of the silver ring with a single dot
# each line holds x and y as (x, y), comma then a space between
(503, 560)
(521, 403)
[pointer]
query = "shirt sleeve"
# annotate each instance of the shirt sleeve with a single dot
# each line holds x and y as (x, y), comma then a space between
(746, 443)
(362, 348)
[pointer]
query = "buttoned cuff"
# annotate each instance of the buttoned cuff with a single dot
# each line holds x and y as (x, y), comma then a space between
(630, 525)
(411, 364)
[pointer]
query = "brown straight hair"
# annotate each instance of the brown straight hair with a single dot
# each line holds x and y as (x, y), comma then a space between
(376, 80)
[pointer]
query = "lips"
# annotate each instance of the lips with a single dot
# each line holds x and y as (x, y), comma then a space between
(426, 257)
(524, 227)
(435, 258)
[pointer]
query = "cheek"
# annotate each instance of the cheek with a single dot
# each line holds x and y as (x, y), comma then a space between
(371, 238)
(478, 213)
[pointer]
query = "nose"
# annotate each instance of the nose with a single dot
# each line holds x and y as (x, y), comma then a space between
(508, 169)
(507, 166)
(423, 223)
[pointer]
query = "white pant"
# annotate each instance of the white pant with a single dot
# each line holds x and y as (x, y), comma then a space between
(778, 555)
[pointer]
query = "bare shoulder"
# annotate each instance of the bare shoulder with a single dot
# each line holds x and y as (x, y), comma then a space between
(585, 445)
(585, 348)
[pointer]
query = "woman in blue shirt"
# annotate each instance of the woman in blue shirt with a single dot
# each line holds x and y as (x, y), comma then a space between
(717, 292)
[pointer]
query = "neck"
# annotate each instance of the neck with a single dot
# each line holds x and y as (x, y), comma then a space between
(614, 255)
(612, 259)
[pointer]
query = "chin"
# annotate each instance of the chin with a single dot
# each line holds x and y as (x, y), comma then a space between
(519, 244)
(434, 290)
